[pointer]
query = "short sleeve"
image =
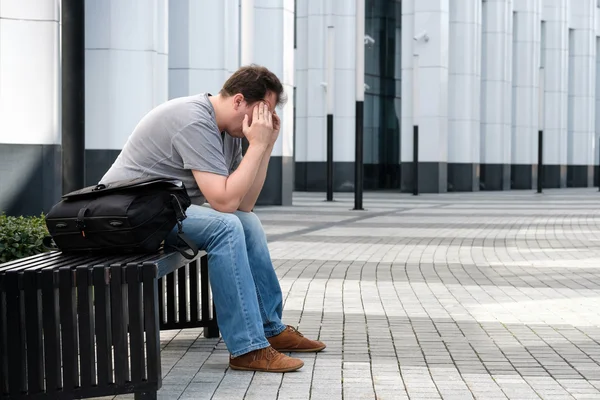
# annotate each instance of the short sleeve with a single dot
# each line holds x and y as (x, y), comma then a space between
(237, 157)
(201, 148)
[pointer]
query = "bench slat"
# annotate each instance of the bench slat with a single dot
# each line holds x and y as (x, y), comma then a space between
(194, 299)
(15, 333)
(150, 288)
(182, 294)
(31, 259)
(161, 299)
(170, 299)
(3, 350)
(211, 328)
(35, 367)
(85, 310)
(51, 259)
(103, 332)
(51, 335)
(119, 333)
(204, 290)
(68, 329)
(136, 323)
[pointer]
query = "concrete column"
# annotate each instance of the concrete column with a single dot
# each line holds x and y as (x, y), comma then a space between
(581, 142)
(311, 120)
(247, 22)
(301, 145)
(316, 121)
(420, 19)
(398, 82)
(526, 66)
(597, 149)
(126, 73)
(30, 154)
(555, 61)
(343, 14)
(274, 31)
(203, 45)
(496, 88)
(464, 95)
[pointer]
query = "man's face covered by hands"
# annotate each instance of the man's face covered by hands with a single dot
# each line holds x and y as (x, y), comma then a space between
(245, 109)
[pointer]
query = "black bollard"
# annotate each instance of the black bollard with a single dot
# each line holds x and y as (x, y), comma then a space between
(358, 163)
(329, 157)
(415, 160)
(540, 176)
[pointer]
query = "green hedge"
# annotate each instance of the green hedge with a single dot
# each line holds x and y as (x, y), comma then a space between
(21, 236)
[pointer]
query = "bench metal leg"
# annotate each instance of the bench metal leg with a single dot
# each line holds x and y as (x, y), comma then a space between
(149, 395)
(211, 332)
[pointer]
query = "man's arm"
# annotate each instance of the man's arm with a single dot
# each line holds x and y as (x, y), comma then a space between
(249, 200)
(226, 193)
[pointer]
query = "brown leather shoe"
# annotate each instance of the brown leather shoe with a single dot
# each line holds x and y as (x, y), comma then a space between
(290, 340)
(265, 360)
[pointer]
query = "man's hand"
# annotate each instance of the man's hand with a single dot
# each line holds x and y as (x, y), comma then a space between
(261, 131)
(276, 128)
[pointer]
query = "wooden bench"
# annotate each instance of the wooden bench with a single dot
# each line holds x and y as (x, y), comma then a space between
(77, 326)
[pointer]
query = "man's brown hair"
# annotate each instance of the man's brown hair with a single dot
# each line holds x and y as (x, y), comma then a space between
(254, 81)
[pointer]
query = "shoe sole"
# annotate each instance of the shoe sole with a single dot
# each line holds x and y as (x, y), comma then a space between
(315, 350)
(266, 370)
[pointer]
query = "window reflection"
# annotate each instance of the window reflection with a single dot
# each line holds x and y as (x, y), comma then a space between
(382, 95)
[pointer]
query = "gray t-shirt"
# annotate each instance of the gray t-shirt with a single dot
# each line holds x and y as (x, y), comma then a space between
(175, 138)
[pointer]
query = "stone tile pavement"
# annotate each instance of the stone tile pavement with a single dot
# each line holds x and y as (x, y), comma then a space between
(453, 296)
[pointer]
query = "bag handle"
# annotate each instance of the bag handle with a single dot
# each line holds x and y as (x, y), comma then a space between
(190, 250)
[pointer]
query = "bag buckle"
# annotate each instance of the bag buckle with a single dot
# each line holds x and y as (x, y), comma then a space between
(79, 222)
(179, 211)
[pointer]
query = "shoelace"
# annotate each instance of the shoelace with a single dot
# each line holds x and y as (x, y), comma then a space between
(270, 353)
(294, 330)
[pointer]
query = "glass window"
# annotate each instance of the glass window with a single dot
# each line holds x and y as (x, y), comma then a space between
(382, 76)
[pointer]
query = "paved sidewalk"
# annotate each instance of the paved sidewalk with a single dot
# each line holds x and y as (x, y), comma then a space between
(454, 296)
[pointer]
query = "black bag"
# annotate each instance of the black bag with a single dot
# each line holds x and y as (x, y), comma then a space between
(122, 217)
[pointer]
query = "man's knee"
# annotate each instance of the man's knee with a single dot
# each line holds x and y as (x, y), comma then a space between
(230, 223)
(249, 219)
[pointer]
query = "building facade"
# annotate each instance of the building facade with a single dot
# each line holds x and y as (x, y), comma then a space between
(479, 78)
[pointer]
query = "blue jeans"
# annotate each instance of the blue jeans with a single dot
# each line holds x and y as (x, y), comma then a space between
(244, 285)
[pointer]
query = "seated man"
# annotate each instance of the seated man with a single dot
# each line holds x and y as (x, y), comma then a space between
(198, 139)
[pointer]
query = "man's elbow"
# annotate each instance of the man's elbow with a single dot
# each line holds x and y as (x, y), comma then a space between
(245, 208)
(225, 206)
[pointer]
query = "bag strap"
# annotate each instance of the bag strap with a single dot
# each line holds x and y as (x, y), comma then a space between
(181, 237)
(190, 250)
(48, 243)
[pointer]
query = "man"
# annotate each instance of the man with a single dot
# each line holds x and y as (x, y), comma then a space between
(198, 140)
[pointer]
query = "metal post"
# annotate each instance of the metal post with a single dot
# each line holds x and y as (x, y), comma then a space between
(329, 157)
(541, 94)
(330, 97)
(360, 98)
(415, 160)
(73, 94)
(540, 176)
(358, 170)
(415, 124)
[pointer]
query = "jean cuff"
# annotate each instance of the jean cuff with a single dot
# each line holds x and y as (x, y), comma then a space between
(248, 349)
(275, 331)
